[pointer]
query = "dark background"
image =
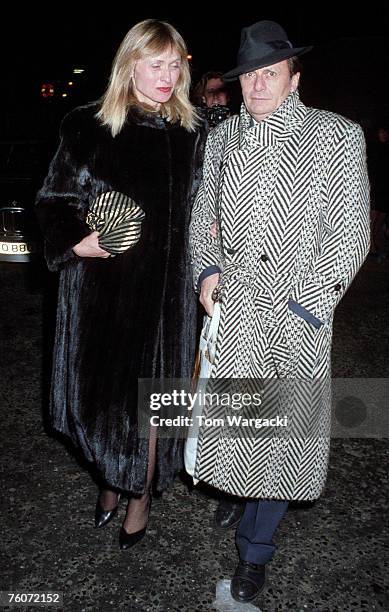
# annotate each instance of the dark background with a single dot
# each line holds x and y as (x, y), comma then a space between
(347, 71)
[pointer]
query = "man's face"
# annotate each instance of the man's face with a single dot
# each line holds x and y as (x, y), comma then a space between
(265, 89)
(215, 93)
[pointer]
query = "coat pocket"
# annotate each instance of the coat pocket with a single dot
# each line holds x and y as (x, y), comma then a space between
(308, 344)
(304, 314)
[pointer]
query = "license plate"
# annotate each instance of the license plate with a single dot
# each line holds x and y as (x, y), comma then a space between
(18, 248)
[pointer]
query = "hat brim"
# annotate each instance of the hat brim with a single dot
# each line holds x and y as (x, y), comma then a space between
(268, 60)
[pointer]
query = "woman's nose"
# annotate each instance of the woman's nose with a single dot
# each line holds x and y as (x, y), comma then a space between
(166, 76)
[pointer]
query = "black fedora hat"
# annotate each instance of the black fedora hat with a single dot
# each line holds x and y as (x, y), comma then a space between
(262, 44)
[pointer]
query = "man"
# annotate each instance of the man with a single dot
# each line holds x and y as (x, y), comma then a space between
(286, 188)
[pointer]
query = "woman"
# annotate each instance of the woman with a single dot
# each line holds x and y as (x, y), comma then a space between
(132, 315)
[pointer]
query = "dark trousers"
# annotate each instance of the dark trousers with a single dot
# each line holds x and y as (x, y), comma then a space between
(256, 528)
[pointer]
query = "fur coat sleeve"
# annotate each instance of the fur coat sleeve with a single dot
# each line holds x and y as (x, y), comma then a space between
(63, 200)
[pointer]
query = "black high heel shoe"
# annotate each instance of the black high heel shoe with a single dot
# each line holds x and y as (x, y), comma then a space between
(103, 517)
(127, 540)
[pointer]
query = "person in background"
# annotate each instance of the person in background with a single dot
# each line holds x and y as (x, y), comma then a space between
(211, 90)
(213, 96)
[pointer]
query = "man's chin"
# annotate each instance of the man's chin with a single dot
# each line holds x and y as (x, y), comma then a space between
(259, 111)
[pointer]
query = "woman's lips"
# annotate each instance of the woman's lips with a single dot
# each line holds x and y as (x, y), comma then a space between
(164, 89)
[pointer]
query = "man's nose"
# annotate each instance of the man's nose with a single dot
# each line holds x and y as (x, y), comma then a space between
(259, 82)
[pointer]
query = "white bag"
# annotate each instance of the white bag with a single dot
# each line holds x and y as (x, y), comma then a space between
(207, 350)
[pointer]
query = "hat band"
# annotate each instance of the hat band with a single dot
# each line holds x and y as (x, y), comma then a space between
(263, 49)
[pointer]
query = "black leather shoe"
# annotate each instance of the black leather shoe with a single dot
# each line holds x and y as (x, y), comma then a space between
(248, 581)
(228, 513)
(103, 517)
(126, 540)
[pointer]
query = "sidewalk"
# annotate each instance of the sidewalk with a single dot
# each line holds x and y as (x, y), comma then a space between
(330, 558)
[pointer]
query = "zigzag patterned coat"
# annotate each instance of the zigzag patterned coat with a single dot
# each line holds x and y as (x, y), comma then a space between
(291, 198)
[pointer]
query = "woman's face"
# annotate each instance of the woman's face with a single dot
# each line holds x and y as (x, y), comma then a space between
(155, 77)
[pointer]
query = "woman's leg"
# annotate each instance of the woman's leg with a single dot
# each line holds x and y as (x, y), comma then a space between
(138, 507)
(108, 499)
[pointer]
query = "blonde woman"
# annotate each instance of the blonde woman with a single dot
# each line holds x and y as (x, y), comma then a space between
(129, 314)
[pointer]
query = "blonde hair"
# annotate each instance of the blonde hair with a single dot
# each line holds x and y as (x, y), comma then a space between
(148, 37)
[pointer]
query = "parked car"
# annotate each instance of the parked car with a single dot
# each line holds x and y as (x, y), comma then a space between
(19, 237)
(22, 166)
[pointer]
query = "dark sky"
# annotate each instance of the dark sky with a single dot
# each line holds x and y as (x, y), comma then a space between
(46, 41)
(347, 71)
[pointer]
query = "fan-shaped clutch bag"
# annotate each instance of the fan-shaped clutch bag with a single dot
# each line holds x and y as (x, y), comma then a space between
(118, 219)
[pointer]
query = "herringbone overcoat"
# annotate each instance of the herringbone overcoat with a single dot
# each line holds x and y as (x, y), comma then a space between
(291, 198)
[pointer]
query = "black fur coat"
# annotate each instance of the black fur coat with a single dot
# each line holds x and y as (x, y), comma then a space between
(126, 317)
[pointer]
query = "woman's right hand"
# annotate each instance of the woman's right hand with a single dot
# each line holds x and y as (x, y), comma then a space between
(89, 247)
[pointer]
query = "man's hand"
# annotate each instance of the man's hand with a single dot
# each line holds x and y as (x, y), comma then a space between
(207, 287)
(214, 229)
(89, 247)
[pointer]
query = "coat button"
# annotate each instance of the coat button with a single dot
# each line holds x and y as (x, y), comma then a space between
(264, 257)
(231, 251)
(337, 287)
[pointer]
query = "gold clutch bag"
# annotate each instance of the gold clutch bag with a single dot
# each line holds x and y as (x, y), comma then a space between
(118, 219)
